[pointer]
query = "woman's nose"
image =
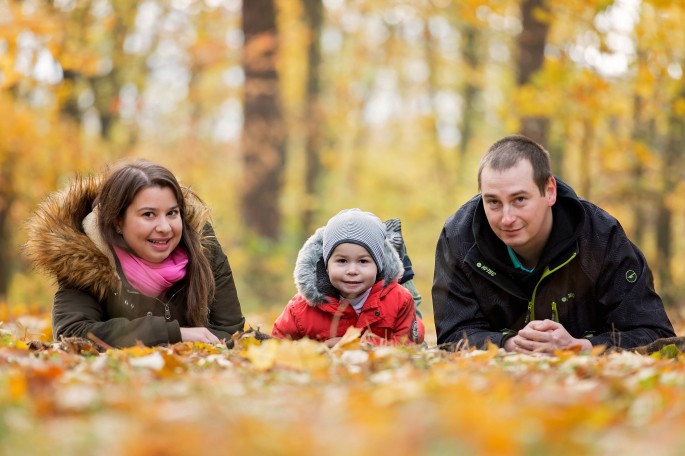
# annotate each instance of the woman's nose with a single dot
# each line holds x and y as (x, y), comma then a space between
(163, 225)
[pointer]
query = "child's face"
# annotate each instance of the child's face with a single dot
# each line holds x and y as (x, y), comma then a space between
(351, 270)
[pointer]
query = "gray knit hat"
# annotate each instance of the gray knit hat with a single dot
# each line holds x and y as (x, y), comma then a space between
(357, 227)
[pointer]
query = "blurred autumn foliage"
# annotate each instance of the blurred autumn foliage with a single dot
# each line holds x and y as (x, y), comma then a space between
(279, 113)
(282, 112)
(301, 398)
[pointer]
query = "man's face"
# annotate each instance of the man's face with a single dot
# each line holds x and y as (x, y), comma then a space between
(518, 214)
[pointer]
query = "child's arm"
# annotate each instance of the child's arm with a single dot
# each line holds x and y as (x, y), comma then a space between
(285, 326)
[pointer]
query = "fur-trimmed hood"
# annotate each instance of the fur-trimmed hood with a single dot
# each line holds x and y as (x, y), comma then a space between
(311, 278)
(63, 240)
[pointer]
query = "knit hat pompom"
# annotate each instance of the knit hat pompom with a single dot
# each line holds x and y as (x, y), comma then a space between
(357, 227)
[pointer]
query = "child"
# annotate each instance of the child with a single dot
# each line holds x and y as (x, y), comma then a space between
(346, 275)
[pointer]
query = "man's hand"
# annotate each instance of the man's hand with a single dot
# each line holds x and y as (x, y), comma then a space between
(544, 336)
(198, 334)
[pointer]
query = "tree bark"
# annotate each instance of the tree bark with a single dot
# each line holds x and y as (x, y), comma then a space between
(531, 55)
(313, 117)
(470, 91)
(263, 142)
(671, 168)
(7, 192)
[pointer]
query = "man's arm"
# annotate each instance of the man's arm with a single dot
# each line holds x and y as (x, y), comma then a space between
(634, 313)
(457, 314)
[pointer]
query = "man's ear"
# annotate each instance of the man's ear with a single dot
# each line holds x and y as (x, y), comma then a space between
(551, 191)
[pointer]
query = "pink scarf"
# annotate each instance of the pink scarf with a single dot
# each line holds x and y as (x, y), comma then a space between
(153, 279)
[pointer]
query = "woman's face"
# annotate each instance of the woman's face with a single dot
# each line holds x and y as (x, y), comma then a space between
(152, 224)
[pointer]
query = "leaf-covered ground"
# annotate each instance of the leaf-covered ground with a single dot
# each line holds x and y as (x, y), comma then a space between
(274, 397)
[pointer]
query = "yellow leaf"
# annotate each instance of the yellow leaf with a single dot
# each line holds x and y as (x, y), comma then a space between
(263, 356)
(350, 340)
(485, 355)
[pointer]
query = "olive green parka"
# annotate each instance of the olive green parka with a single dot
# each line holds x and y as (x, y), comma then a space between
(95, 299)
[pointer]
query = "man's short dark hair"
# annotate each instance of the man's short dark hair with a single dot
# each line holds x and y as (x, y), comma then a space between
(508, 151)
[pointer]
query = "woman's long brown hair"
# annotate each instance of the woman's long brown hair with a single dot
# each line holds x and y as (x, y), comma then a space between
(117, 192)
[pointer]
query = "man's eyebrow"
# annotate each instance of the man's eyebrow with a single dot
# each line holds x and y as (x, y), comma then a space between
(510, 195)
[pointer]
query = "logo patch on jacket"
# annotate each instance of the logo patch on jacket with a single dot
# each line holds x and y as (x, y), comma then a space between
(631, 276)
(414, 332)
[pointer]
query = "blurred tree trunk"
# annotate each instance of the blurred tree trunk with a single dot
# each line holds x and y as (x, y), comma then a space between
(106, 87)
(672, 166)
(7, 192)
(642, 139)
(438, 162)
(263, 142)
(313, 116)
(470, 53)
(531, 54)
(586, 146)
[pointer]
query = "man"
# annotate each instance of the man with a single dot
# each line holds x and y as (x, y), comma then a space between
(531, 267)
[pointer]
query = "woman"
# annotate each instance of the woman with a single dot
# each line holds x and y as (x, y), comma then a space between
(136, 261)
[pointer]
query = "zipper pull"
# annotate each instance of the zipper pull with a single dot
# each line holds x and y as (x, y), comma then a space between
(555, 313)
(167, 312)
(529, 316)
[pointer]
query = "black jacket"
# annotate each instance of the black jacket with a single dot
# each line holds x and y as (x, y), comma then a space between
(590, 278)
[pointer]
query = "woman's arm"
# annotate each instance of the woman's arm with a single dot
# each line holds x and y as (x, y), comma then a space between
(225, 315)
(76, 313)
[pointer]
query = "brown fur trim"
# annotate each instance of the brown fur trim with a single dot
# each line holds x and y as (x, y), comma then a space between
(57, 244)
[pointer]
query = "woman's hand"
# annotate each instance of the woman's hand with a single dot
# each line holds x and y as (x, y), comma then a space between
(198, 334)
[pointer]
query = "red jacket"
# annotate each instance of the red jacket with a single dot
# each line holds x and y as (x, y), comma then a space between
(388, 312)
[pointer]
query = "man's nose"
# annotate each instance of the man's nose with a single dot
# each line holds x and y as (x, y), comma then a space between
(508, 215)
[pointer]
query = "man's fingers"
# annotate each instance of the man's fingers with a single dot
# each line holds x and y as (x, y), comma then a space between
(534, 335)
